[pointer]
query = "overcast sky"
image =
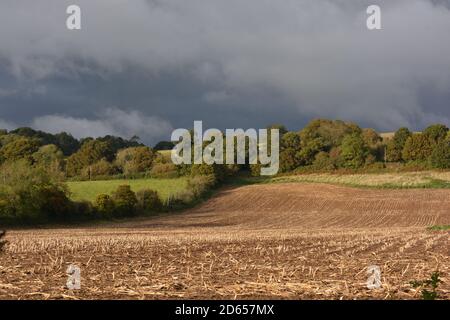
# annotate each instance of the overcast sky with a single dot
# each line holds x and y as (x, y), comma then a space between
(146, 67)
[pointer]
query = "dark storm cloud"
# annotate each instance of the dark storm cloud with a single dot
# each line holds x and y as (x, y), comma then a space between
(230, 63)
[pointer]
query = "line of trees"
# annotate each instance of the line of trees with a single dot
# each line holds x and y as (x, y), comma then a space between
(34, 166)
(330, 145)
(321, 145)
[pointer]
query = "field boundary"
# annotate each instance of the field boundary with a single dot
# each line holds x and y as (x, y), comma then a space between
(406, 180)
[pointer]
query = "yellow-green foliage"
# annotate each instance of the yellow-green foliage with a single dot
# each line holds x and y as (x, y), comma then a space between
(135, 160)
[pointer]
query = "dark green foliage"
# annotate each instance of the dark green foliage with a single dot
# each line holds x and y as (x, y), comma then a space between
(118, 143)
(323, 135)
(309, 150)
(148, 200)
(375, 144)
(323, 161)
(255, 170)
(54, 202)
(66, 143)
(104, 205)
(291, 140)
(289, 151)
(354, 151)
(218, 171)
(429, 286)
(331, 132)
(69, 145)
(418, 147)
(164, 145)
(440, 156)
(289, 160)
(135, 160)
(125, 201)
(82, 210)
(436, 132)
(90, 152)
(63, 140)
(396, 145)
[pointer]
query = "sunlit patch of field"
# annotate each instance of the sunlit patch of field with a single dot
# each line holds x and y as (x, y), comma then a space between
(289, 241)
(421, 179)
(88, 190)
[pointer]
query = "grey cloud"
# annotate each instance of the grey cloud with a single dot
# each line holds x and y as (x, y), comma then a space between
(7, 125)
(111, 121)
(231, 63)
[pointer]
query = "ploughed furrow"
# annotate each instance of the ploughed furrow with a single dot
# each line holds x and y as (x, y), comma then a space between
(315, 206)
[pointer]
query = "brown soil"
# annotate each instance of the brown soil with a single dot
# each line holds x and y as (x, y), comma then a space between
(287, 241)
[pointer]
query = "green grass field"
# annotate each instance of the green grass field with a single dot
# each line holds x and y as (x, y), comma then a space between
(88, 190)
(421, 179)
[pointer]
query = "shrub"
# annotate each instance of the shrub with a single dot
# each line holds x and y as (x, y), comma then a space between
(125, 201)
(232, 169)
(104, 205)
(436, 132)
(395, 146)
(417, 147)
(30, 194)
(164, 170)
(309, 150)
(98, 169)
(7, 211)
(218, 171)
(197, 187)
(289, 159)
(18, 149)
(323, 134)
(82, 210)
(322, 161)
(440, 157)
(181, 198)
(148, 200)
(135, 160)
(50, 158)
(255, 170)
(370, 159)
(54, 202)
(201, 184)
(90, 152)
(354, 151)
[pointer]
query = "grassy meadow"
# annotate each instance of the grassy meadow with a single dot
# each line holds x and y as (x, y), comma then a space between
(421, 179)
(88, 190)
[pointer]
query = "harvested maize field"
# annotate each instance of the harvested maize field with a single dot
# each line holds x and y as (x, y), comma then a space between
(282, 241)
